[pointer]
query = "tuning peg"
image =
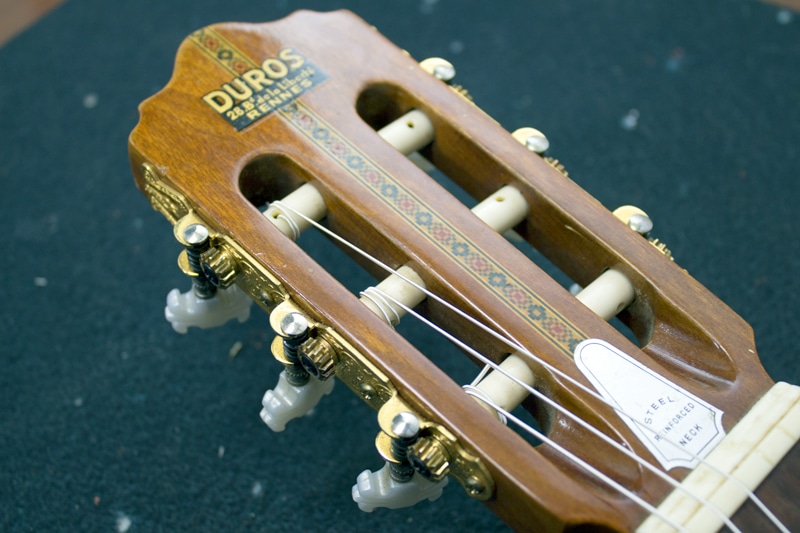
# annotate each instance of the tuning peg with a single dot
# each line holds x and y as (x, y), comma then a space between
(286, 401)
(396, 485)
(204, 305)
(295, 395)
(635, 218)
(196, 240)
(294, 332)
(186, 309)
(380, 489)
(538, 143)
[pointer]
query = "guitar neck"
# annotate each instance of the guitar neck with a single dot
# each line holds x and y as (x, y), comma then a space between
(781, 481)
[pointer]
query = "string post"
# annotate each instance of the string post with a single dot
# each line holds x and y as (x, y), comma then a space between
(475, 487)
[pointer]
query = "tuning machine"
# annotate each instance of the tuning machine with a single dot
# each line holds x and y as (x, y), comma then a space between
(420, 456)
(213, 299)
(296, 393)
(443, 70)
(397, 484)
(641, 223)
(538, 143)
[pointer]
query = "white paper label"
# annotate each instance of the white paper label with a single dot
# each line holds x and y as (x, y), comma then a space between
(674, 424)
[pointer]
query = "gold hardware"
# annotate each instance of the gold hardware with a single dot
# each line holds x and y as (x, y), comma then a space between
(183, 264)
(372, 385)
(252, 278)
(626, 213)
(536, 141)
(430, 458)
(437, 451)
(219, 266)
(439, 68)
(350, 366)
(277, 351)
(383, 443)
(162, 197)
(443, 70)
(318, 358)
(366, 391)
(532, 139)
(462, 92)
(443, 454)
(556, 164)
(661, 247)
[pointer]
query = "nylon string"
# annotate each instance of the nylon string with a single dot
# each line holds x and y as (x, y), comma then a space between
(517, 346)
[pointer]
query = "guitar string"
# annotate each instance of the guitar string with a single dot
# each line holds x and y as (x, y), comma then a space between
(514, 344)
(517, 346)
(293, 227)
(538, 394)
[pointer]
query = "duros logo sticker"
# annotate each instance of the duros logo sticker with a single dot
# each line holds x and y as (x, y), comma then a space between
(260, 91)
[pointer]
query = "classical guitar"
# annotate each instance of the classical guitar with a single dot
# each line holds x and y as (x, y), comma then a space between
(316, 123)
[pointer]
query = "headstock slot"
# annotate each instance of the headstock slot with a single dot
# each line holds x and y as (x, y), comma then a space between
(381, 103)
(571, 229)
(270, 177)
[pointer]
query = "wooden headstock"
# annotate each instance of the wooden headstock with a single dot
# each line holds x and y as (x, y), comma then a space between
(255, 112)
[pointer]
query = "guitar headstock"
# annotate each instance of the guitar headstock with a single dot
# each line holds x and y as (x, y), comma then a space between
(267, 130)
